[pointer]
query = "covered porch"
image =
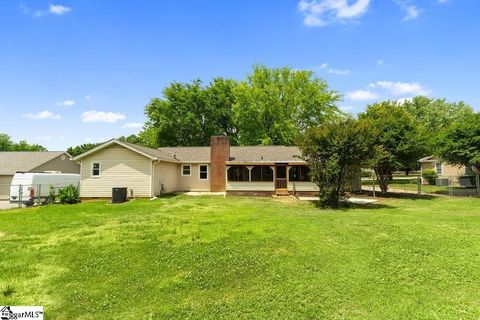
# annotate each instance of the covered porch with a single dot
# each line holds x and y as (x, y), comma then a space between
(268, 178)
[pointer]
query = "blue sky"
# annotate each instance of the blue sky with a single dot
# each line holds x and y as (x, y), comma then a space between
(80, 71)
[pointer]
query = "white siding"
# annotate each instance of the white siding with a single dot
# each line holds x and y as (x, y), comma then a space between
(5, 187)
(166, 173)
(302, 186)
(250, 186)
(120, 167)
(191, 182)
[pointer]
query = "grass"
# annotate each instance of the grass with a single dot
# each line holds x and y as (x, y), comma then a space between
(411, 185)
(244, 258)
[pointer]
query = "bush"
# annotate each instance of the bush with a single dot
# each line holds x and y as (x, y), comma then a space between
(69, 195)
(52, 197)
(430, 175)
(366, 173)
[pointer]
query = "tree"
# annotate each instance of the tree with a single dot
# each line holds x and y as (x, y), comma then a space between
(436, 115)
(333, 151)
(396, 139)
(460, 144)
(276, 106)
(190, 113)
(6, 144)
(75, 151)
(133, 138)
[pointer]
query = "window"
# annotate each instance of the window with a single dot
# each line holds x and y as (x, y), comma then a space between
(438, 167)
(238, 173)
(262, 173)
(186, 170)
(203, 172)
(95, 169)
(299, 173)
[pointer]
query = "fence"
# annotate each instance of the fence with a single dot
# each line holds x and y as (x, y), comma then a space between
(31, 194)
(454, 186)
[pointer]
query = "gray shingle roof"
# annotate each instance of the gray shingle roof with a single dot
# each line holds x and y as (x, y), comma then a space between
(237, 154)
(11, 162)
(156, 153)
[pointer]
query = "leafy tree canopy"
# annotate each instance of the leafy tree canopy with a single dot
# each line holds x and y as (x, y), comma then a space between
(6, 144)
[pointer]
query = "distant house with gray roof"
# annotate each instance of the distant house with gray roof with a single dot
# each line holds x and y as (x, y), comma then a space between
(12, 162)
(235, 170)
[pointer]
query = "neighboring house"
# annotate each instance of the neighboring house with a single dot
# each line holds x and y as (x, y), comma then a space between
(12, 162)
(444, 169)
(147, 172)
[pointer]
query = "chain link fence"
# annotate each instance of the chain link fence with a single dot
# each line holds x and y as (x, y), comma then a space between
(453, 186)
(31, 194)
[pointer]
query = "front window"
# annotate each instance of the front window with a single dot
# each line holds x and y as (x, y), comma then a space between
(299, 173)
(95, 169)
(238, 173)
(203, 172)
(263, 173)
(186, 170)
(438, 167)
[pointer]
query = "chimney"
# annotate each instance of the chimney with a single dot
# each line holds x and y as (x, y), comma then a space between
(219, 153)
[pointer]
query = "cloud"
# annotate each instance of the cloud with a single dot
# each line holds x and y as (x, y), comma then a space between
(403, 100)
(43, 115)
(66, 103)
(381, 63)
(361, 95)
(323, 66)
(101, 116)
(132, 125)
(411, 11)
(58, 9)
(317, 13)
(339, 72)
(403, 88)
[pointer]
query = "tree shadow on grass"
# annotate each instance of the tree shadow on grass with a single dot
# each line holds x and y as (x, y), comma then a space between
(348, 206)
(399, 195)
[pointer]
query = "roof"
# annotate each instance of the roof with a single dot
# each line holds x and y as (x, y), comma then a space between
(429, 159)
(238, 154)
(151, 153)
(14, 161)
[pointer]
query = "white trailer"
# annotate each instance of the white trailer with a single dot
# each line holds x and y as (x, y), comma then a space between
(29, 186)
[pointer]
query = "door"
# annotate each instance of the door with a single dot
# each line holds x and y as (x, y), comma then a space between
(281, 177)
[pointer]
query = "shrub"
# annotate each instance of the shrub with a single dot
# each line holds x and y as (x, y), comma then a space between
(430, 175)
(52, 197)
(69, 195)
(366, 173)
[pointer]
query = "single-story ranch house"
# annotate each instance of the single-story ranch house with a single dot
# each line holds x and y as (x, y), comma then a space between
(444, 169)
(12, 162)
(147, 172)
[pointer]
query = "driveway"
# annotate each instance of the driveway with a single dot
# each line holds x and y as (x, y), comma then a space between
(7, 205)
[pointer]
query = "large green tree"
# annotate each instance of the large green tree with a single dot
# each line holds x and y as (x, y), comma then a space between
(276, 106)
(333, 151)
(6, 144)
(436, 115)
(396, 139)
(190, 113)
(460, 143)
(75, 151)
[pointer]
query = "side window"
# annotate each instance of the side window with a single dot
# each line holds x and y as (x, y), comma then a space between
(203, 172)
(438, 167)
(186, 170)
(95, 169)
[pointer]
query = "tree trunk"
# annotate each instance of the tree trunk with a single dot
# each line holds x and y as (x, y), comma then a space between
(383, 179)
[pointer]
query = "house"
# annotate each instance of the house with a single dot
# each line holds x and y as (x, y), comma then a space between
(444, 169)
(147, 172)
(12, 162)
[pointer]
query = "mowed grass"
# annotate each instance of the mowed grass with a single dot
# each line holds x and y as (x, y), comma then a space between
(244, 258)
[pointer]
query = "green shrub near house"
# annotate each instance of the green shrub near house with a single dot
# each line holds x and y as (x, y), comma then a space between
(430, 175)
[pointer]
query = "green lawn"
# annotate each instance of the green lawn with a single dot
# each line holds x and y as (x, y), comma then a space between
(411, 185)
(244, 258)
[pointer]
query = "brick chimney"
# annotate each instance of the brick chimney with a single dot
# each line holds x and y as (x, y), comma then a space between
(219, 153)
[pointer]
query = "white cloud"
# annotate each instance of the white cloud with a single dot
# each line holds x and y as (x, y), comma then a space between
(339, 71)
(132, 125)
(403, 88)
(43, 115)
(101, 116)
(361, 95)
(403, 100)
(323, 12)
(66, 103)
(58, 9)
(411, 11)
(323, 66)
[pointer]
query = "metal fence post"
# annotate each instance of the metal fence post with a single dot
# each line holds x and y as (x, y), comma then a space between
(477, 182)
(419, 185)
(20, 194)
(373, 183)
(450, 191)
